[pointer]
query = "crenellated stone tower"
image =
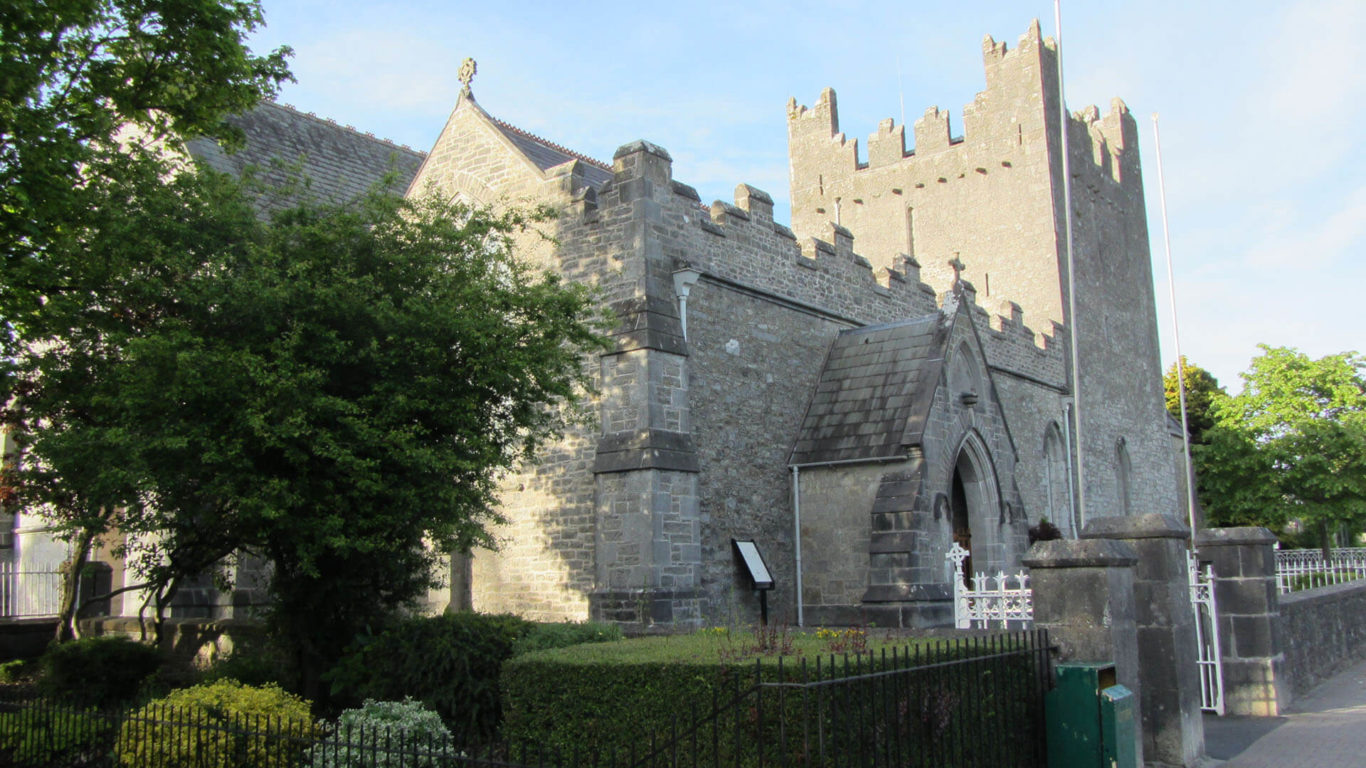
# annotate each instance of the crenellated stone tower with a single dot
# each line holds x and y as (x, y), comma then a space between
(987, 207)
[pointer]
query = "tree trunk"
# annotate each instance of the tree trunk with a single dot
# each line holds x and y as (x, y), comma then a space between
(71, 582)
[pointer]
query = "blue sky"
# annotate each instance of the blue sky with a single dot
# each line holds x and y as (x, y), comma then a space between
(1263, 110)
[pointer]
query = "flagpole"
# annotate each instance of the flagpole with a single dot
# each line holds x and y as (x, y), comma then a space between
(1072, 325)
(1176, 334)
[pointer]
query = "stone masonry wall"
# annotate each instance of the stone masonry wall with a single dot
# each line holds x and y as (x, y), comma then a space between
(836, 526)
(1322, 630)
(544, 566)
(752, 364)
(759, 324)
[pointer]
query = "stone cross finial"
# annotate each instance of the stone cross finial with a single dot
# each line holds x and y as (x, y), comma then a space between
(957, 266)
(467, 71)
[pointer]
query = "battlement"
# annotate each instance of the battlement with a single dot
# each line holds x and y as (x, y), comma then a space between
(739, 243)
(984, 205)
(1020, 94)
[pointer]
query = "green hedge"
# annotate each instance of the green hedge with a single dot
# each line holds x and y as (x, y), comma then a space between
(619, 696)
(105, 671)
(56, 735)
(451, 663)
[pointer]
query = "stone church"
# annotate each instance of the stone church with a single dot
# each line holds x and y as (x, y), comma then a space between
(855, 393)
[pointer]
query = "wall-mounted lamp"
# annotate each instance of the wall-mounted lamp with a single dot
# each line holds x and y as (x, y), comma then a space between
(684, 280)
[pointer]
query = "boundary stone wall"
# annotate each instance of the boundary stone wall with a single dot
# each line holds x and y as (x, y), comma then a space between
(1322, 630)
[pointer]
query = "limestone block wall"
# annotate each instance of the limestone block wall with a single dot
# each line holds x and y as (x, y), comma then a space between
(836, 526)
(753, 364)
(1322, 630)
(544, 566)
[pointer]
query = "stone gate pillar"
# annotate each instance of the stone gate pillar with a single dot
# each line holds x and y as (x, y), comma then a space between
(1084, 597)
(1168, 659)
(1249, 609)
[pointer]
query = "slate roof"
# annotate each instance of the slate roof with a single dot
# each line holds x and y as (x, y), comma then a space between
(875, 389)
(547, 155)
(339, 162)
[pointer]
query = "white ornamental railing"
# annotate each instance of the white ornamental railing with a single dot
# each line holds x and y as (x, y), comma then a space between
(1306, 568)
(991, 598)
(34, 592)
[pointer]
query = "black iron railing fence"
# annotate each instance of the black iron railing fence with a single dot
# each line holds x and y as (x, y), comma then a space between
(970, 702)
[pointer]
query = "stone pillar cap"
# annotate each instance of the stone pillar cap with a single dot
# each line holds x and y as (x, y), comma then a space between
(1150, 526)
(641, 145)
(1076, 553)
(1227, 537)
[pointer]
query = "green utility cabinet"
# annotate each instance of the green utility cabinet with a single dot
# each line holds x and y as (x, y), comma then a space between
(1091, 719)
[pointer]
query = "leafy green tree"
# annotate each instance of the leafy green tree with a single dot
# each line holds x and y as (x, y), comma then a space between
(1290, 446)
(1202, 392)
(334, 391)
(91, 89)
(78, 74)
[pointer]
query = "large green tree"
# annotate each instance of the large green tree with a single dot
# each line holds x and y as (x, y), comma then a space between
(81, 466)
(79, 75)
(334, 391)
(1202, 392)
(1290, 446)
(90, 91)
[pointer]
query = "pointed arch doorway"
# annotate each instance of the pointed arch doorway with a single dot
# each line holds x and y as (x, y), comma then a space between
(972, 497)
(962, 520)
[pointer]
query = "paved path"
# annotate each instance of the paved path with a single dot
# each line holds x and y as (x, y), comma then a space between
(1325, 728)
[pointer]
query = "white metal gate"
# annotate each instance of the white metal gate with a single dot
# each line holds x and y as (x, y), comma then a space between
(991, 600)
(1206, 634)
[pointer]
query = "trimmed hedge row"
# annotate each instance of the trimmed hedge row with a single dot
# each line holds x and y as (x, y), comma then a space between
(625, 696)
(451, 663)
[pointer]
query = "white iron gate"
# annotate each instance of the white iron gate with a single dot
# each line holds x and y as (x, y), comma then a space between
(991, 599)
(1206, 634)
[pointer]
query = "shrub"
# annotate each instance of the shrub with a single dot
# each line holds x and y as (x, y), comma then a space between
(218, 725)
(623, 696)
(450, 663)
(257, 664)
(562, 635)
(1044, 531)
(13, 671)
(385, 733)
(53, 735)
(97, 671)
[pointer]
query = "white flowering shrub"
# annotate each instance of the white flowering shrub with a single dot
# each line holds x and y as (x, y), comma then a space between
(385, 734)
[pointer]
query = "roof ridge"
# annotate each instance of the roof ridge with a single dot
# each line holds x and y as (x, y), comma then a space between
(557, 147)
(329, 121)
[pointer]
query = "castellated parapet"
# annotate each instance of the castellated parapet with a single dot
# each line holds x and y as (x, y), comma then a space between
(986, 196)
